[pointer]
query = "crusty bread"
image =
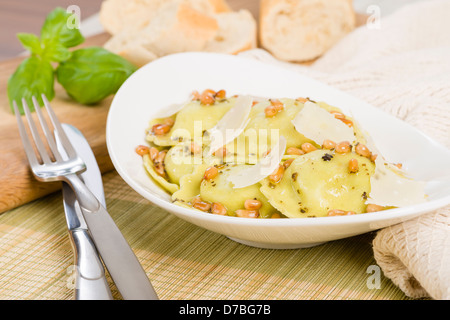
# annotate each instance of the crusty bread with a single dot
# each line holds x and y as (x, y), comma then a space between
(302, 30)
(237, 32)
(179, 27)
(130, 48)
(117, 15)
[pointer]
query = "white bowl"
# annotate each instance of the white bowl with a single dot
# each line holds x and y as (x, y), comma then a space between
(171, 80)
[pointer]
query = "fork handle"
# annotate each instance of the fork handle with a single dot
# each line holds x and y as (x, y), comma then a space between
(120, 260)
(87, 200)
(90, 281)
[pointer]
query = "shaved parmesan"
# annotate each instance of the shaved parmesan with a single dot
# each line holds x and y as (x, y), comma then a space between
(169, 110)
(318, 125)
(261, 169)
(390, 188)
(231, 125)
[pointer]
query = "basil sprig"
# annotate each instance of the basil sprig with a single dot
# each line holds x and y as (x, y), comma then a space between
(91, 74)
(88, 75)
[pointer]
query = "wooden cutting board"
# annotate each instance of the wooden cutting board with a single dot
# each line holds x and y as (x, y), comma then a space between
(17, 184)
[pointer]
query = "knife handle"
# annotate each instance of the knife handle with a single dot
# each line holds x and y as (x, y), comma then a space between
(90, 281)
(122, 264)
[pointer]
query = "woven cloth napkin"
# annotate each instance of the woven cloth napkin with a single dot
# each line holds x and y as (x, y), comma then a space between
(400, 64)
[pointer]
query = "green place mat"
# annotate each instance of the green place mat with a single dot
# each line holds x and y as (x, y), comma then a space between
(183, 261)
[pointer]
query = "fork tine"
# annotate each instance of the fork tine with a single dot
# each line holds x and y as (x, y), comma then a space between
(34, 132)
(48, 134)
(32, 159)
(59, 130)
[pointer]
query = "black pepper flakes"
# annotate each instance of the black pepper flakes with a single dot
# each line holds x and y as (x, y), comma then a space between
(294, 176)
(327, 157)
(364, 195)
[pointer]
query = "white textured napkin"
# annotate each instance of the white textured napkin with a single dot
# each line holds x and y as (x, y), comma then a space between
(402, 67)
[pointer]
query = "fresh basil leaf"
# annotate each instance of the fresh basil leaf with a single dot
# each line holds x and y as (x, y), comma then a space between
(57, 52)
(30, 42)
(57, 28)
(92, 74)
(33, 77)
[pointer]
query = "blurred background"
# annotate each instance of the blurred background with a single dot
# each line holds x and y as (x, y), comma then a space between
(28, 16)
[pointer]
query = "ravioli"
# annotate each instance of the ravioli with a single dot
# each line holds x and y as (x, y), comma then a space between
(180, 161)
(320, 181)
(190, 121)
(166, 185)
(262, 132)
(221, 190)
(190, 185)
(307, 177)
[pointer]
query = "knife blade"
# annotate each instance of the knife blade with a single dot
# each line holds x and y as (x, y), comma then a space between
(119, 259)
(90, 280)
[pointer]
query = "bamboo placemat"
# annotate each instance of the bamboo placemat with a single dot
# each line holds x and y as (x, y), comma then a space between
(182, 260)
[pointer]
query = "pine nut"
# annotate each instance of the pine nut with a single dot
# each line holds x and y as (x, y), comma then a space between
(202, 205)
(287, 163)
(270, 111)
(153, 152)
(142, 150)
(348, 122)
(159, 168)
(277, 104)
(195, 148)
(374, 208)
(337, 212)
(252, 204)
(195, 95)
(362, 150)
(211, 173)
(294, 151)
(277, 175)
(221, 94)
(207, 97)
(328, 144)
(353, 166)
(161, 129)
(247, 213)
(218, 208)
(308, 147)
(159, 159)
(343, 147)
(338, 115)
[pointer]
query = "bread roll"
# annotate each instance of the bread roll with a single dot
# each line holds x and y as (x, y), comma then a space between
(176, 28)
(179, 27)
(117, 15)
(301, 30)
(237, 32)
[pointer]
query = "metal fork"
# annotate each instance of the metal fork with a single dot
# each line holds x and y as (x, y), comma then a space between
(123, 266)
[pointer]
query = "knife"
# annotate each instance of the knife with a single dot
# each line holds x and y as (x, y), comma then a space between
(90, 280)
(119, 259)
